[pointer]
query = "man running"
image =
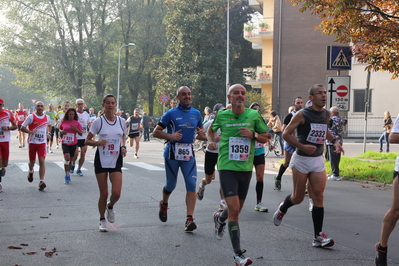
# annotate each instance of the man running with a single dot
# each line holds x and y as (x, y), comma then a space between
(6, 117)
(38, 126)
(307, 163)
(289, 149)
(239, 127)
(134, 123)
(84, 120)
(21, 114)
(181, 123)
(51, 114)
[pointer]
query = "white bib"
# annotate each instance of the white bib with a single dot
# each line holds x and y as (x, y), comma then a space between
(239, 148)
(317, 133)
(183, 151)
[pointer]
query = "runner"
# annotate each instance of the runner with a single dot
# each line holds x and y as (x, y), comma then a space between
(134, 130)
(6, 118)
(58, 117)
(69, 129)
(20, 115)
(239, 127)
(38, 126)
(181, 123)
(259, 163)
(211, 158)
(307, 163)
(108, 160)
(51, 114)
(289, 149)
(84, 120)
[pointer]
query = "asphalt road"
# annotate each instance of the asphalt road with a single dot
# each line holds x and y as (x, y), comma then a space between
(65, 217)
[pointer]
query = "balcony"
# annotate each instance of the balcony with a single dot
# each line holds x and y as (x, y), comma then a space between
(259, 75)
(259, 30)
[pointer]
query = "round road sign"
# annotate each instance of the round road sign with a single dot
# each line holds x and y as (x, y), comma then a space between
(164, 98)
(342, 91)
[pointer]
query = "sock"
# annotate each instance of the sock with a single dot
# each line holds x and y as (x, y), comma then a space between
(101, 219)
(190, 218)
(259, 191)
(287, 204)
(281, 171)
(381, 248)
(223, 215)
(318, 217)
(109, 207)
(234, 232)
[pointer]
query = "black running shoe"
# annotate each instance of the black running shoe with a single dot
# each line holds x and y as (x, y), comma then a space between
(190, 225)
(163, 212)
(30, 177)
(42, 186)
(381, 257)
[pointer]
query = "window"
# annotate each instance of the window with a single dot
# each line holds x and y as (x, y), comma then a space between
(359, 98)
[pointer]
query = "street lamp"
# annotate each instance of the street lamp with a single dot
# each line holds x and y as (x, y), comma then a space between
(119, 71)
(227, 52)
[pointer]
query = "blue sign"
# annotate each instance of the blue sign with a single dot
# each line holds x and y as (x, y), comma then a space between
(339, 58)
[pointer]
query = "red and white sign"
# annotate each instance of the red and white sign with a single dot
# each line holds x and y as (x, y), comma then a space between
(33, 101)
(338, 88)
(164, 98)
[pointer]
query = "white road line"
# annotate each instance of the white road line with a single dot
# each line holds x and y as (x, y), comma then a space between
(25, 168)
(61, 164)
(146, 166)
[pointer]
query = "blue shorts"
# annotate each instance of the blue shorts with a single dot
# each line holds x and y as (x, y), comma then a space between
(188, 169)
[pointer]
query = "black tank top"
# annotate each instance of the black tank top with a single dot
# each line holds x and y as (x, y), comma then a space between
(313, 131)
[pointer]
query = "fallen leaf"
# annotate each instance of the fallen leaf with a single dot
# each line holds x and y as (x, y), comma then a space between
(48, 254)
(260, 258)
(44, 217)
(31, 253)
(177, 246)
(43, 248)
(14, 247)
(25, 245)
(357, 234)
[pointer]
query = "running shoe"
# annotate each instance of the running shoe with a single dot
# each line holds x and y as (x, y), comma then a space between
(310, 204)
(334, 178)
(241, 260)
(50, 150)
(163, 212)
(277, 184)
(200, 193)
(72, 169)
(67, 179)
(190, 225)
(381, 257)
(110, 215)
(136, 156)
(20, 146)
(278, 215)
(1, 188)
(219, 227)
(3, 172)
(30, 177)
(57, 147)
(79, 172)
(322, 241)
(103, 226)
(260, 208)
(42, 185)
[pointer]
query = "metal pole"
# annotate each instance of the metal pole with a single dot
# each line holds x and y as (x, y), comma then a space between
(119, 73)
(366, 107)
(227, 51)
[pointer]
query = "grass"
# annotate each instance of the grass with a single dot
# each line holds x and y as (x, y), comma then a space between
(368, 166)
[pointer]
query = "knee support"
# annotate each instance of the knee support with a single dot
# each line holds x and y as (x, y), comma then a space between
(66, 162)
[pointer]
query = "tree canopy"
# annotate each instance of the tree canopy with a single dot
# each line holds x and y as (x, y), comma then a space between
(372, 26)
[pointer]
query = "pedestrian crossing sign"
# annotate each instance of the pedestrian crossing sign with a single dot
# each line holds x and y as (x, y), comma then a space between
(339, 58)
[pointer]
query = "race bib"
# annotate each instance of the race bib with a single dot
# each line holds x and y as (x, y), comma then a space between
(317, 133)
(239, 148)
(68, 138)
(21, 118)
(111, 148)
(135, 126)
(84, 129)
(258, 145)
(183, 151)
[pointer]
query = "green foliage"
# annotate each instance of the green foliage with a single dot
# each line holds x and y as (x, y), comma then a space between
(248, 27)
(261, 98)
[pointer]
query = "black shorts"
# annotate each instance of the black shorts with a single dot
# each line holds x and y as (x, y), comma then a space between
(235, 183)
(133, 135)
(395, 174)
(81, 143)
(98, 169)
(19, 127)
(51, 134)
(211, 160)
(69, 149)
(259, 159)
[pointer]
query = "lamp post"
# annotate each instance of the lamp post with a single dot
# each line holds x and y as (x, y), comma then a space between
(228, 52)
(119, 71)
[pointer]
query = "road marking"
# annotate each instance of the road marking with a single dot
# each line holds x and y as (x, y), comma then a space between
(25, 168)
(146, 166)
(61, 165)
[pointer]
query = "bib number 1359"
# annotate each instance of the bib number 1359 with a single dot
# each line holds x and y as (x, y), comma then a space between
(239, 148)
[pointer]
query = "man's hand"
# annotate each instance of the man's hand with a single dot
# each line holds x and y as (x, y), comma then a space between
(177, 135)
(245, 132)
(212, 146)
(308, 149)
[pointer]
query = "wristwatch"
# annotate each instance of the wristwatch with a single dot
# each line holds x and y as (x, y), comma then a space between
(255, 135)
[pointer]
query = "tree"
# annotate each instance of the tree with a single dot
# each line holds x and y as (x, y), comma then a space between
(196, 53)
(371, 25)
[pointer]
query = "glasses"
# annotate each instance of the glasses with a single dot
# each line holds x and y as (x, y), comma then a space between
(320, 92)
(39, 105)
(79, 103)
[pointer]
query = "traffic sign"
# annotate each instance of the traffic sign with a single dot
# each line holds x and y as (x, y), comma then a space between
(338, 92)
(33, 101)
(339, 58)
(164, 98)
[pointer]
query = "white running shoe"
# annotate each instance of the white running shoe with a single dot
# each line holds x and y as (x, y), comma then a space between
(136, 156)
(322, 241)
(241, 260)
(110, 215)
(103, 226)
(260, 208)
(278, 215)
(334, 178)
(219, 227)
